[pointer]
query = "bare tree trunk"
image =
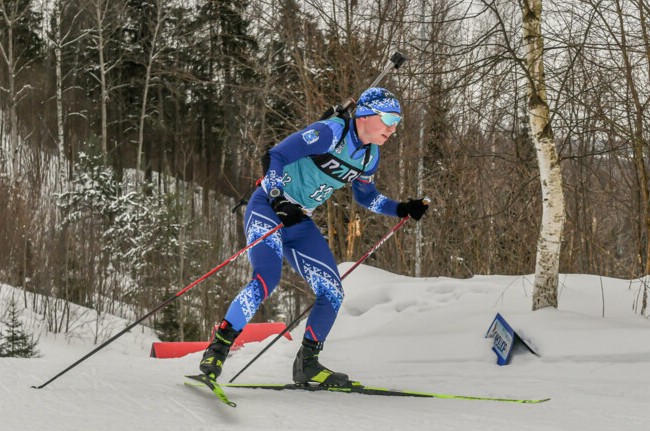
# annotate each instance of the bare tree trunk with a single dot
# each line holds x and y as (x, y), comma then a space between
(646, 43)
(10, 17)
(638, 138)
(59, 93)
(153, 53)
(186, 196)
(420, 170)
(60, 41)
(100, 11)
(550, 237)
(643, 5)
(104, 90)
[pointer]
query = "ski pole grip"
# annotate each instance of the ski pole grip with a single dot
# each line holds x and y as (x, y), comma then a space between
(398, 59)
(395, 62)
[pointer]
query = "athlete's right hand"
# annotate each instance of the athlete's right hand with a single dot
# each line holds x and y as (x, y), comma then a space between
(288, 212)
(414, 208)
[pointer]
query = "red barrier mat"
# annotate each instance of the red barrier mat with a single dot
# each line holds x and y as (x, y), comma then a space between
(251, 333)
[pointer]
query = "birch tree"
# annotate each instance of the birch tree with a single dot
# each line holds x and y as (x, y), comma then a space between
(61, 39)
(105, 25)
(158, 17)
(550, 173)
(18, 48)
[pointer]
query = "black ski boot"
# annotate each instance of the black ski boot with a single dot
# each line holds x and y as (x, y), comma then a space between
(306, 367)
(216, 353)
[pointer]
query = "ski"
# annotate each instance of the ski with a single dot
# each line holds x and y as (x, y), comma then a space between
(213, 385)
(358, 388)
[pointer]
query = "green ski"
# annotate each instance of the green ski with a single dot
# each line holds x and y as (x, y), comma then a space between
(213, 385)
(358, 388)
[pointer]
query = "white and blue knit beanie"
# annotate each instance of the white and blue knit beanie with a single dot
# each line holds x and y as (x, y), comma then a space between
(378, 98)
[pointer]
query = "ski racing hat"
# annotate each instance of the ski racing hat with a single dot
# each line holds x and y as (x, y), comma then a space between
(379, 99)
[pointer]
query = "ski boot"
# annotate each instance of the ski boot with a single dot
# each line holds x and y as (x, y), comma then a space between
(307, 369)
(216, 353)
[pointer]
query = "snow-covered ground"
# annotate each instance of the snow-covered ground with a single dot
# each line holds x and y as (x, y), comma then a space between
(393, 331)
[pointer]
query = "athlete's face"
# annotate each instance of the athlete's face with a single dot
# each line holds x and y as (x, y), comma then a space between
(372, 130)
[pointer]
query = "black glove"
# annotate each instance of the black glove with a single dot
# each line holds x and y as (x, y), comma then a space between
(288, 212)
(414, 208)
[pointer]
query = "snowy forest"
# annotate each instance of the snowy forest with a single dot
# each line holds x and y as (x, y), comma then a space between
(130, 130)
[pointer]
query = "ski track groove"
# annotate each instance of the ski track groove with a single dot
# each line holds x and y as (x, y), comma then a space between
(201, 419)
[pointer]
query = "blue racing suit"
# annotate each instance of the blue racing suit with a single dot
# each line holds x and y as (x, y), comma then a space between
(307, 167)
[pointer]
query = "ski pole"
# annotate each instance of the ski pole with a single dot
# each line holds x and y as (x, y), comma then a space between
(164, 304)
(395, 62)
(291, 325)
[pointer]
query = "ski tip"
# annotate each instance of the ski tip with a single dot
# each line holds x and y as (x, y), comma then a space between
(543, 400)
(213, 386)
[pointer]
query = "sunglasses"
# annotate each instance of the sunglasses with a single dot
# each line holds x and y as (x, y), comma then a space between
(388, 118)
